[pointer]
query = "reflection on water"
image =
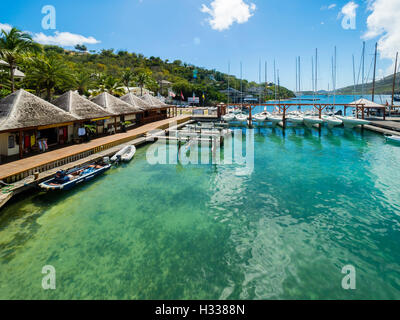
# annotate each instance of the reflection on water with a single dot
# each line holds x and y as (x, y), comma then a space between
(316, 201)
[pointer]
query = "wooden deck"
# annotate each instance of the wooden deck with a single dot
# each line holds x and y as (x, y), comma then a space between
(392, 124)
(23, 166)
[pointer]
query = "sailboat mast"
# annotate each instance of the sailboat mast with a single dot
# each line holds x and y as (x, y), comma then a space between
(229, 75)
(241, 85)
(394, 80)
(259, 82)
(354, 80)
(334, 75)
(275, 79)
(316, 71)
(299, 74)
(312, 75)
(363, 70)
(373, 83)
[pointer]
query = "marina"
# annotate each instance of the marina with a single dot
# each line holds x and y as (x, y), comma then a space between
(196, 159)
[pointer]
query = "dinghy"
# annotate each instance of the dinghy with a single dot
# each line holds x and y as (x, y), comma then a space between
(125, 154)
(310, 121)
(66, 180)
(332, 121)
(241, 117)
(391, 138)
(260, 117)
(352, 122)
(229, 117)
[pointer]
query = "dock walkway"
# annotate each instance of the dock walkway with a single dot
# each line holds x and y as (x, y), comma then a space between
(20, 169)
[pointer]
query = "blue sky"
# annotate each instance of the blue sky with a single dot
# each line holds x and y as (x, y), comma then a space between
(182, 29)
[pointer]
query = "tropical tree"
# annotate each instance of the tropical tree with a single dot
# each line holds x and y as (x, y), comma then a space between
(143, 78)
(84, 82)
(50, 73)
(127, 78)
(109, 84)
(16, 45)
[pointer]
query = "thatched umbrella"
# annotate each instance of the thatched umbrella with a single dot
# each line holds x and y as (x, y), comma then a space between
(153, 101)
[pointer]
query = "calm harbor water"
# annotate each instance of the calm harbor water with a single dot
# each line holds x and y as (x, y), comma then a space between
(314, 203)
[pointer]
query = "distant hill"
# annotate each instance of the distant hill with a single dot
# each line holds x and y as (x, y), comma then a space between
(382, 86)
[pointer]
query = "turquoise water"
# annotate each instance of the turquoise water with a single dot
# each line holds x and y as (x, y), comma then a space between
(314, 203)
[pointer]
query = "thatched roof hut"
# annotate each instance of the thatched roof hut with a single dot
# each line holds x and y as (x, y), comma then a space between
(114, 105)
(367, 103)
(22, 109)
(136, 101)
(153, 101)
(80, 107)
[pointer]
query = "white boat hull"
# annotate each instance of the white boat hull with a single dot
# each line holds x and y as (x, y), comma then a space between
(126, 154)
(332, 121)
(351, 122)
(295, 120)
(275, 120)
(229, 117)
(395, 139)
(311, 121)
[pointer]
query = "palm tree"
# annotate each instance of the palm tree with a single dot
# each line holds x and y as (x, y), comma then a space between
(16, 45)
(49, 73)
(127, 77)
(142, 79)
(83, 82)
(109, 84)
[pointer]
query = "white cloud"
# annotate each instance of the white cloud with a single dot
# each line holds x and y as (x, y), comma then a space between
(384, 22)
(224, 13)
(331, 6)
(4, 26)
(64, 39)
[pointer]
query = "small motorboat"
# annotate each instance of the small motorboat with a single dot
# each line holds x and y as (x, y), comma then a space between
(66, 180)
(331, 121)
(229, 117)
(260, 117)
(241, 117)
(125, 154)
(392, 138)
(310, 121)
(352, 122)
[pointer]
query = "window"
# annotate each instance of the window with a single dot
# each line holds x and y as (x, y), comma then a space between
(11, 141)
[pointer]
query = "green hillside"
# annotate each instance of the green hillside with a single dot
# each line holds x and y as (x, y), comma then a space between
(51, 71)
(382, 86)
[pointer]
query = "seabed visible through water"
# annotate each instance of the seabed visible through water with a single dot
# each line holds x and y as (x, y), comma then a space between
(313, 203)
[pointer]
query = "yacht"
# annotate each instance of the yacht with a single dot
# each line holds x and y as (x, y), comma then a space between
(352, 122)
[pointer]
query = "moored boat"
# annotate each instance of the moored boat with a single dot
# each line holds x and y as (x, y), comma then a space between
(65, 180)
(229, 117)
(392, 138)
(241, 117)
(352, 122)
(275, 119)
(125, 154)
(295, 119)
(260, 117)
(310, 121)
(332, 121)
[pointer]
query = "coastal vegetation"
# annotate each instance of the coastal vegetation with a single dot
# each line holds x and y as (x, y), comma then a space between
(51, 70)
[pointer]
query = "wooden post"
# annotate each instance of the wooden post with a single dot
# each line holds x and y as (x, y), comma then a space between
(362, 115)
(284, 117)
(115, 124)
(250, 117)
(20, 144)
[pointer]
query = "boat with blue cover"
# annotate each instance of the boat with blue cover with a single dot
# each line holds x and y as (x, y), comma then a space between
(65, 180)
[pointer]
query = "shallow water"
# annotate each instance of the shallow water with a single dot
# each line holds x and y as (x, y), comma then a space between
(314, 203)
